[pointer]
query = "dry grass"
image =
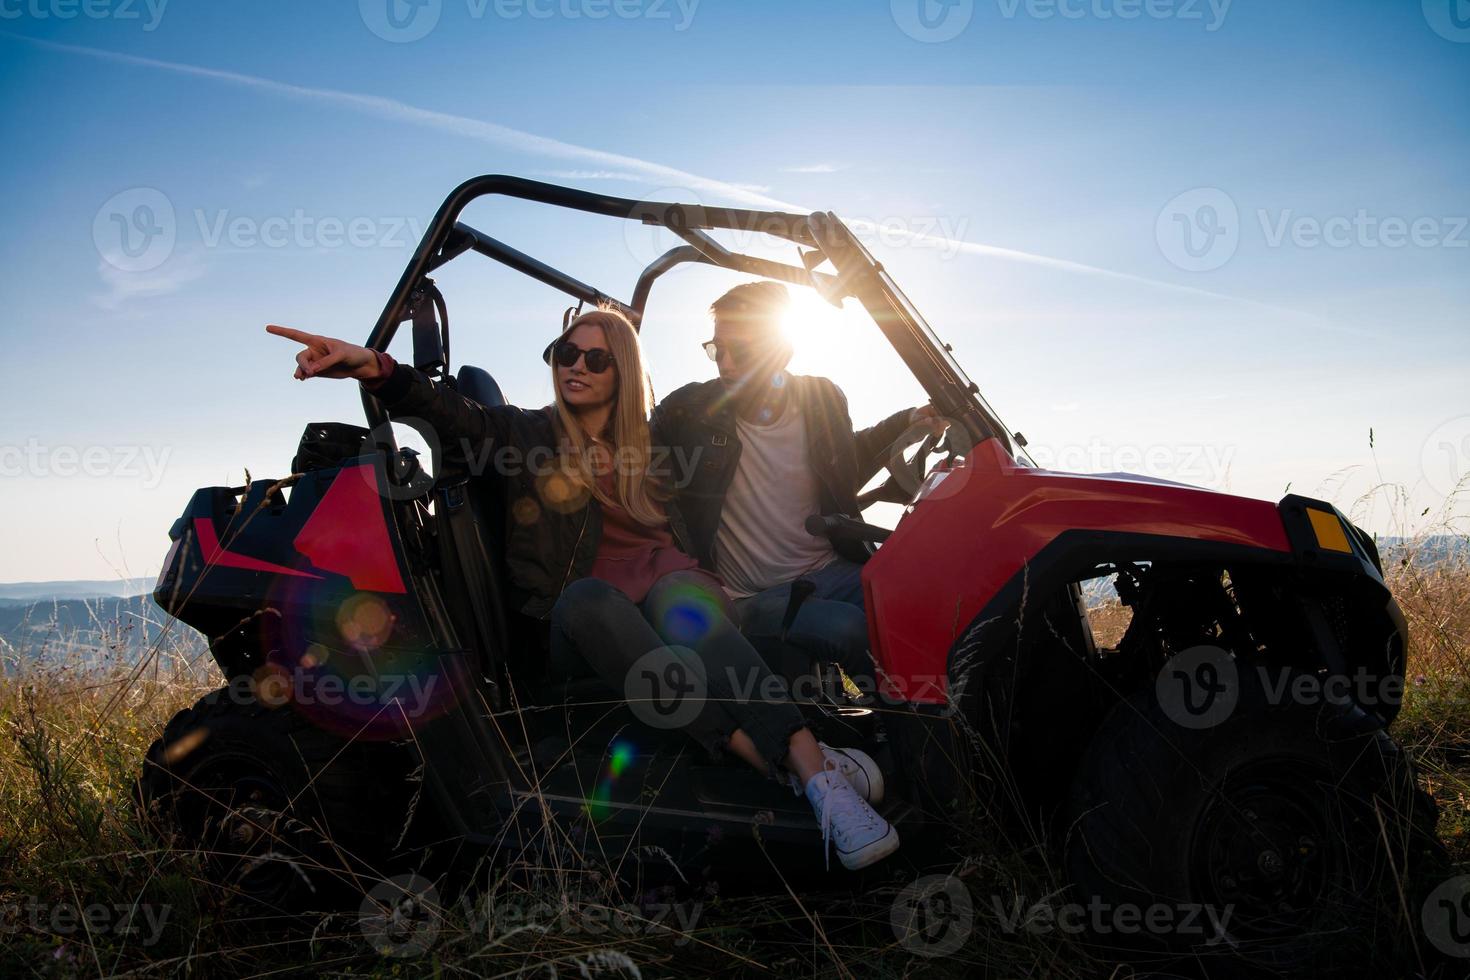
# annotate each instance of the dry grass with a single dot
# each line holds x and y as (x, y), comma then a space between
(69, 836)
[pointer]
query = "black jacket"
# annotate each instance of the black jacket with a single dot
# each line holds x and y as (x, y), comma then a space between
(700, 418)
(551, 536)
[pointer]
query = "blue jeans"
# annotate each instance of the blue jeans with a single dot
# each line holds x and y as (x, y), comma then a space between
(680, 657)
(830, 626)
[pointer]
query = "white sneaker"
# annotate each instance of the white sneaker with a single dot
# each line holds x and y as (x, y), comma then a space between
(861, 835)
(856, 766)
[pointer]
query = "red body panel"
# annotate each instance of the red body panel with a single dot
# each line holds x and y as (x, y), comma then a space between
(965, 540)
(348, 534)
(216, 556)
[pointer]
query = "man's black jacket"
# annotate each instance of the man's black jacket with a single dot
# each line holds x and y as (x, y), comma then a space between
(698, 423)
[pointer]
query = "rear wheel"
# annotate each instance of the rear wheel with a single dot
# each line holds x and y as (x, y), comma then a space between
(283, 814)
(1278, 837)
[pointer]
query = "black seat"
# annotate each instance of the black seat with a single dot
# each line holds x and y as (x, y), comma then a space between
(522, 639)
(472, 531)
(477, 385)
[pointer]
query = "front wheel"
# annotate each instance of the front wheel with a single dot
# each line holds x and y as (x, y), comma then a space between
(1277, 837)
(285, 815)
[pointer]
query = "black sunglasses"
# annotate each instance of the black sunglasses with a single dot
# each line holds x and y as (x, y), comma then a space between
(566, 354)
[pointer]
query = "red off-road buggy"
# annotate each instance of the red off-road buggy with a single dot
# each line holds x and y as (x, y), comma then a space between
(386, 709)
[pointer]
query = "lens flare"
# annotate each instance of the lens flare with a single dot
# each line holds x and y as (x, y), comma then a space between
(620, 756)
(365, 621)
(685, 613)
(354, 663)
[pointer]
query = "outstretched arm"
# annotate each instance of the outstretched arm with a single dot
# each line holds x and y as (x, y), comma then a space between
(328, 357)
(463, 428)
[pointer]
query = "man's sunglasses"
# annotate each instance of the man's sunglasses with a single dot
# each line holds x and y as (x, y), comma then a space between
(566, 353)
(739, 352)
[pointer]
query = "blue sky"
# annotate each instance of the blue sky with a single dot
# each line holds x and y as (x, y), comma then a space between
(1217, 243)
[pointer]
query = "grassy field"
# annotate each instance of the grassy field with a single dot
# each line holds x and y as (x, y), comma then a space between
(86, 891)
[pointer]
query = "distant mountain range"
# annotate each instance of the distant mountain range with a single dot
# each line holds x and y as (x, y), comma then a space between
(90, 631)
(12, 593)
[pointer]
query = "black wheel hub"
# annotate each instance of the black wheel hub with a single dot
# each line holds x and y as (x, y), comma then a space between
(238, 814)
(1265, 849)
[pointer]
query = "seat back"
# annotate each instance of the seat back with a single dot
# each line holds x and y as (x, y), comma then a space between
(477, 385)
(471, 520)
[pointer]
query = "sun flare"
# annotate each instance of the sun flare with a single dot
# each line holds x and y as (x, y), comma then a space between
(815, 330)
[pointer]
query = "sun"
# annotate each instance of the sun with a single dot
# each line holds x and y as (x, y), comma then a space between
(815, 330)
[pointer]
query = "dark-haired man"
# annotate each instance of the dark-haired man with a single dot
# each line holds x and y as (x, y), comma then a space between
(775, 448)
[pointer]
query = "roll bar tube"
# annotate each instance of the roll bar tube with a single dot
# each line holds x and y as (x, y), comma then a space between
(446, 238)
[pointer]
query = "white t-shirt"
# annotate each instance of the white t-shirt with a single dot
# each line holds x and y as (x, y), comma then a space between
(763, 541)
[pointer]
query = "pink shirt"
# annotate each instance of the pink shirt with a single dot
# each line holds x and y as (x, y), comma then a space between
(632, 556)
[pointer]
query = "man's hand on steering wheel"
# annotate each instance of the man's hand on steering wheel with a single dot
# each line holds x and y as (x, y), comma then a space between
(934, 423)
(328, 357)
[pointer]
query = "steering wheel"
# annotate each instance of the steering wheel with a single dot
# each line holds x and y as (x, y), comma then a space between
(905, 475)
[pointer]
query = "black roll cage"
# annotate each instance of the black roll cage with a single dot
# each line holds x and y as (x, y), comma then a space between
(821, 237)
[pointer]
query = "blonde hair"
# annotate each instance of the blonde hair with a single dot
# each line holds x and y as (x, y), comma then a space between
(636, 490)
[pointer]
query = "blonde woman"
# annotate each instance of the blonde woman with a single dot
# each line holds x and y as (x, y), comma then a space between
(594, 546)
